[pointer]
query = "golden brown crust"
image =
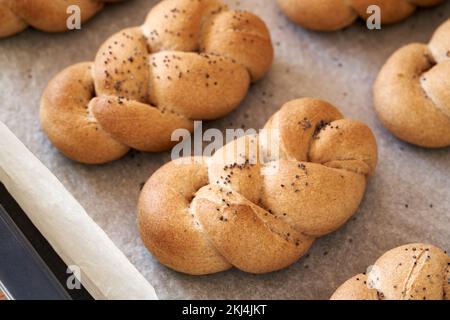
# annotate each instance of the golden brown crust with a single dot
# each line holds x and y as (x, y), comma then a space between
(248, 216)
(68, 121)
(10, 23)
(411, 272)
(355, 289)
(191, 60)
(412, 92)
(332, 15)
(50, 16)
(173, 234)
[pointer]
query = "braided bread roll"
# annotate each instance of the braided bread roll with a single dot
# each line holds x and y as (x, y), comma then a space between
(206, 215)
(45, 15)
(411, 272)
(191, 60)
(332, 15)
(412, 92)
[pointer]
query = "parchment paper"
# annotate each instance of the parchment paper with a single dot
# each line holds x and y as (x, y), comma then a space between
(103, 269)
(408, 199)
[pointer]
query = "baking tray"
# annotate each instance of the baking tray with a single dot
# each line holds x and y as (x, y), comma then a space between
(408, 199)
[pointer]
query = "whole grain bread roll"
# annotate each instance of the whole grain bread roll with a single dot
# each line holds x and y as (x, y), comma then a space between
(414, 271)
(190, 60)
(332, 15)
(45, 15)
(260, 201)
(412, 92)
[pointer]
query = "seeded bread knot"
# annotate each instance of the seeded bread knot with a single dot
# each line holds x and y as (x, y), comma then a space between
(331, 15)
(191, 60)
(261, 200)
(412, 92)
(45, 15)
(411, 272)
